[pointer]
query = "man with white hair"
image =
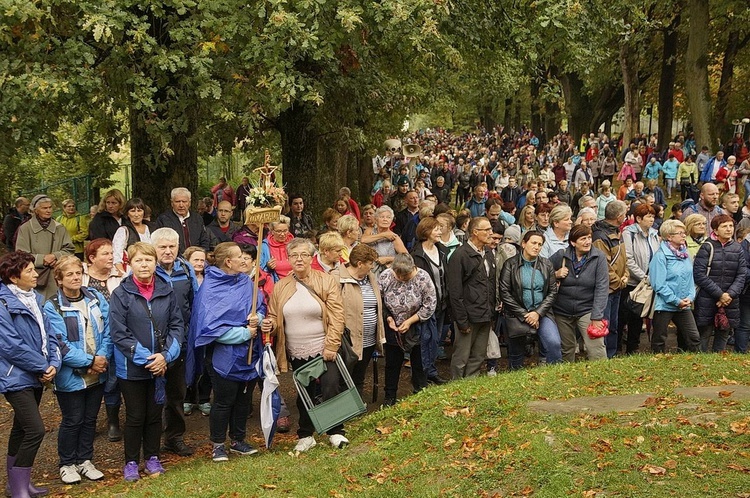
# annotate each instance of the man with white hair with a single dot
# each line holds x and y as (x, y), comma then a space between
(187, 223)
(180, 275)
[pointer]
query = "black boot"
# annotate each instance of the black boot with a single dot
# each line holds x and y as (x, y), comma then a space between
(113, 418)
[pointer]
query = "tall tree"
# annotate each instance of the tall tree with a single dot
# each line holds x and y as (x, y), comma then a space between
(696, 67)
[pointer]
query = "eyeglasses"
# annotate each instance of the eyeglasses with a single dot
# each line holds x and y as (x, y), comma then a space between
(681, 234)
(285, 230)
(483, 229)
(295, 257)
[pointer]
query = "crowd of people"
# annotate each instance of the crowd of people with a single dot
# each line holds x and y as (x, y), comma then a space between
(541, 243)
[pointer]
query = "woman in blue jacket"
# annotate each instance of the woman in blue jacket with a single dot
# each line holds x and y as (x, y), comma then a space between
(29, 357)
(147, 331)
(671, 277)
(226, 328)
(80, 318)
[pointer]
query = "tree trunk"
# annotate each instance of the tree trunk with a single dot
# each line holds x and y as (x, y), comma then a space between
(507, 114)
(552, 121)
(666, 83)
(366, 178)
(577, 105)
(536, 113)
(299, 156)
(156, 174)
(632, 86)
(734, 45)
(696, 67)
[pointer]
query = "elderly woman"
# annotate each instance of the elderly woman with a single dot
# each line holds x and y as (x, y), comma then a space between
(362, 306)
(47, 240)
(76, 224)
(306, 314)
(330, 246)
(671, 277)
(695, 226)
(348, 227)
(278, 266)
(556, 236)
(385, 242)
(109, 218)
(225, 328)
(100, 274)
(409, 297)
(431, 256)
(80, 318)
(146, 327)
(368, 217)
(583, 274)
(196, 256)
(29, 357)
(133, 229)
(719, 272)
(641, 242)
(526, 288)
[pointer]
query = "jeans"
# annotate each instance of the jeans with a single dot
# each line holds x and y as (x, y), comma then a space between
(174, 410)
(635, 324)
(232, 402)
(567, 326)
(142, 419)
(685, 324)
(112, 395)
(429, 332)
(747, 191)
(470, 350)
(611, 313)
(330, 386)
(28, 429)
(742, 332)
(549, 340)
(200, 391)
(394, 359)
(75, 438)
(720, 338)
(671, 184)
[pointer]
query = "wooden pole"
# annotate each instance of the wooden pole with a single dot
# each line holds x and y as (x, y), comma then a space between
(256, 290)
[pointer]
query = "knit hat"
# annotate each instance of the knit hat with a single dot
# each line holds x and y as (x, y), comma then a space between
(513, 234)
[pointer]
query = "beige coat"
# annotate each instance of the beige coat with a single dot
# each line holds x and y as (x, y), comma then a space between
(354, 308)
(328, 296)
(34, 239)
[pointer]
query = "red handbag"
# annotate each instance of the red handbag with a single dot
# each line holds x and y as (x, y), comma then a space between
(597, 332)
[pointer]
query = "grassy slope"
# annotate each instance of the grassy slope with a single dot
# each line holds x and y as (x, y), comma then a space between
(477, 438)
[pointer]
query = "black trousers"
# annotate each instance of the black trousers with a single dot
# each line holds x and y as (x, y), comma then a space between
(686, 328)
(28, 429)
(142, 419)
(174, 410)
(360, 368)
(394, 359)
(330, 386)
(634, 323)
(232, 402)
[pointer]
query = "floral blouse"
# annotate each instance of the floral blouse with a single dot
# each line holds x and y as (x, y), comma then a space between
(403, 299)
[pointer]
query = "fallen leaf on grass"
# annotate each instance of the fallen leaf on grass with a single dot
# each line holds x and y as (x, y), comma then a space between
(454, 412)
(740, 468)
(528, 490)
(724, 380)
(650, 401)
(654, 470)
(725, 394)
(591, 493)
(384, 430)
(268, 486)
(739, 427)
(670, 464)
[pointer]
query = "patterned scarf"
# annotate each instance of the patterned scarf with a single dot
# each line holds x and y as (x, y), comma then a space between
(680, 252)
(28, 299)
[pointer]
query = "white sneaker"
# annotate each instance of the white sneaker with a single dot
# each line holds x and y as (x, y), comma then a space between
(305, 443)
(69, 474)
(491, 372)
(338, 441)
(87, 470)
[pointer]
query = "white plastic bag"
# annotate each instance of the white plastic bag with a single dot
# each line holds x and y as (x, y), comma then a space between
(493, 346)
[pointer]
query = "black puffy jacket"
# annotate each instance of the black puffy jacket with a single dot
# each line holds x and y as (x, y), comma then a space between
(727, 275)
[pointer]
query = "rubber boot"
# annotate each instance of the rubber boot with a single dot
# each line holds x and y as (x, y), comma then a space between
(34, 492)
(113, 418)
(19, 479)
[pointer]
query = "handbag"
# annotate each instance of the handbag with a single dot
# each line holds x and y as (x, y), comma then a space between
(517, 327)
(493, 347)
(641, 299)
(597, 332)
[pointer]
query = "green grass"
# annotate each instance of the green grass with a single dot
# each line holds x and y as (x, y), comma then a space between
(478, 438)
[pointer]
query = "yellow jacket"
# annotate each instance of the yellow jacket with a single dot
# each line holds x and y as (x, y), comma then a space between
(328, 295)
(77, 227)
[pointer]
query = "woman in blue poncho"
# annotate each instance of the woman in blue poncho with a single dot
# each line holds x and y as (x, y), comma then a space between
(223, 327)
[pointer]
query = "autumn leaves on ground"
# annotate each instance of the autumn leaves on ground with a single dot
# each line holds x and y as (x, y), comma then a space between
(481, 438)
